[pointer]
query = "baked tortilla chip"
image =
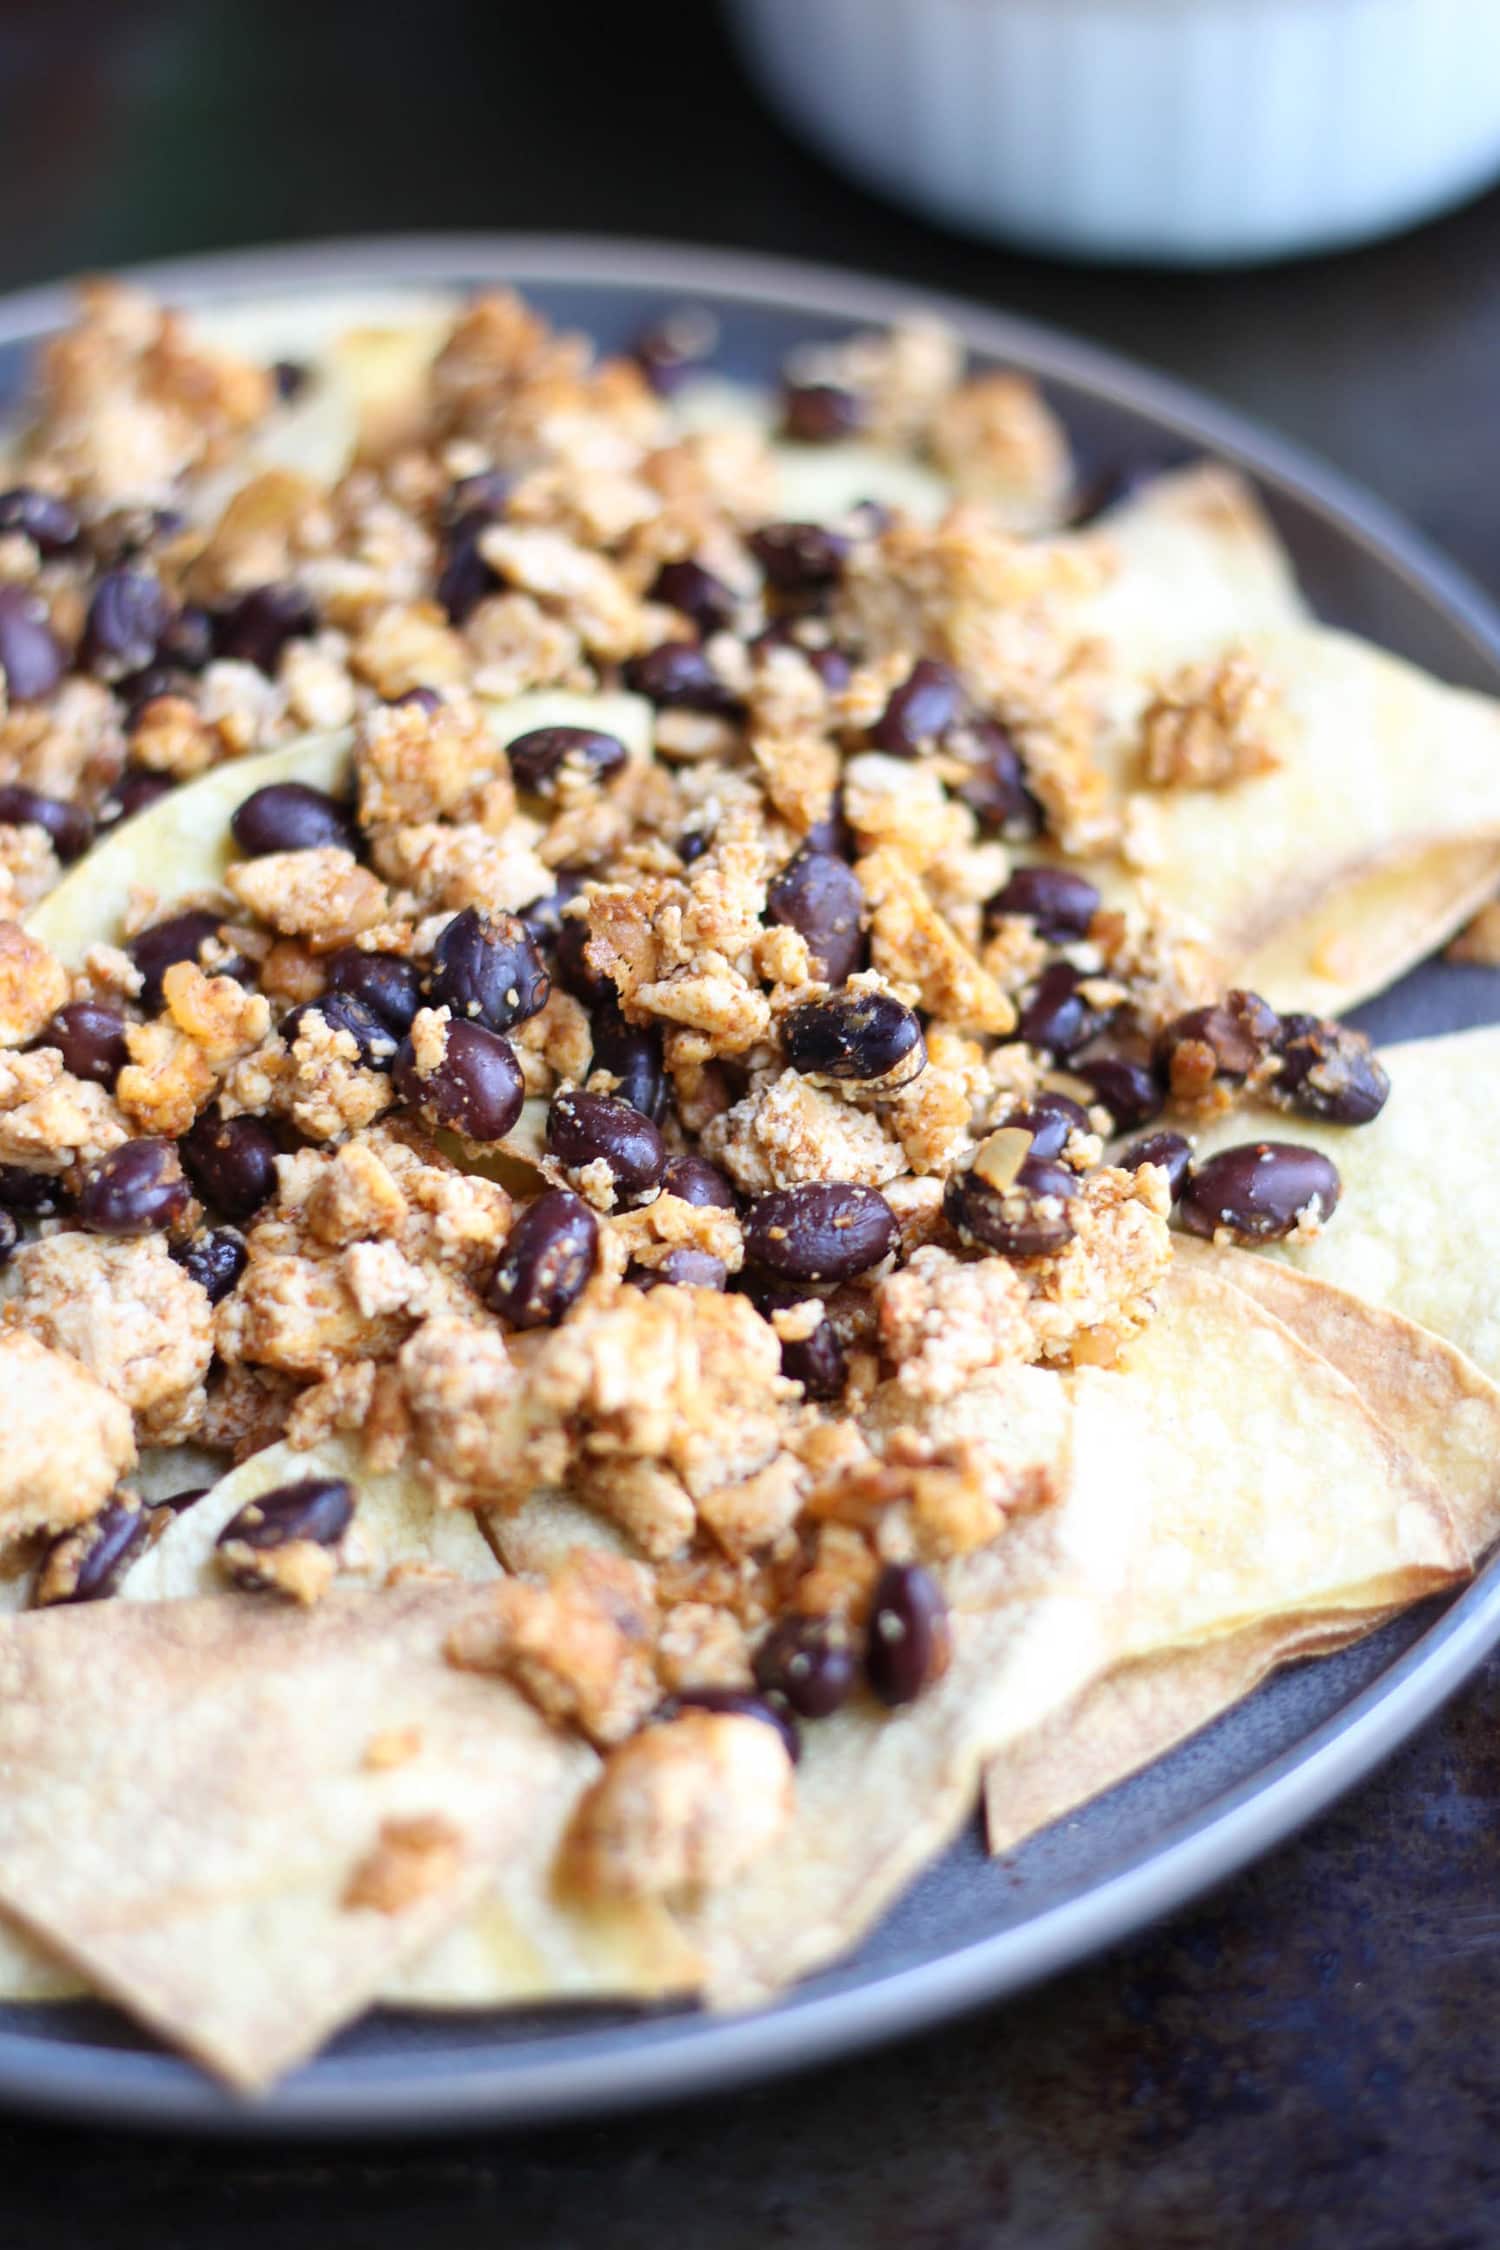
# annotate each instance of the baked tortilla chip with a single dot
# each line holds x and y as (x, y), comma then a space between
(238, 1819)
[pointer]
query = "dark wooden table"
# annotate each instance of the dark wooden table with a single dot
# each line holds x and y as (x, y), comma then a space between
(1313, 2056)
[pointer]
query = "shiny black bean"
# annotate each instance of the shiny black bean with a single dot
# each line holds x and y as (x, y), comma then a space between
(69, 826)
(671, 350)
(1328, 1070)
(819, 894)
(138, 1188)
(822, 1230)
(682, 1268)
(1060, 903)
(539, 760)
(584, 1129)
(832, 666)
(88, 1564)
(50, 523)
(484, 494)
(1051, 1120)
(90, 1037)
(419, 698)
(256, 628)
(126, 619)
(571, 967)
(544, 916)
(136, 788)
(1057, 1018)
(630, 1053)
(1127, 1089)
(910, 1635)
(39, 1194)
(1227, 1040)
(694, 841)
(818, 1362)
(800, 559)
(231, 1162)
(735, 1703)
(692, 1179)
(807, 1663)
(465, 579)
(855, 1035)
(487, 967)
(290, 377)
(316, 1509)
(1169, 1150)
(919, 711)
(1027, 1219)
(820, 413)
(995, 788)
(831, 835)
(10, 1235)
(141, 689)
(180, 938)
(290, 816)
(1259, 1190)
(677, 676)
(698, 593)
(386, 983)
(345, 1011)
(547, 1261)
(187, 639)
(215, 1261)
(477, 1088)
(30, 654)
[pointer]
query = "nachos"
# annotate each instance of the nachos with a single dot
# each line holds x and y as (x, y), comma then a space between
(651, 1044)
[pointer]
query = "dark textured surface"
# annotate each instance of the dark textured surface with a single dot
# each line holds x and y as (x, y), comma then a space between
(1311, 2056)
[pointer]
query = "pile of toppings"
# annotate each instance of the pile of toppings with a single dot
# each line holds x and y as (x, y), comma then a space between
(670, 1114)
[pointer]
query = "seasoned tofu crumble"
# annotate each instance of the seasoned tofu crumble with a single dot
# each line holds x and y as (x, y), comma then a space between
(675, 1123)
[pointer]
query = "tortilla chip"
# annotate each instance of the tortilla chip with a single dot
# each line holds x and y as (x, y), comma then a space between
(195, 1811)
(1418, 1229)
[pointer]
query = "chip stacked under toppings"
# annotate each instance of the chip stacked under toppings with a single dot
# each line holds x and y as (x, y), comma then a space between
(624, 1038)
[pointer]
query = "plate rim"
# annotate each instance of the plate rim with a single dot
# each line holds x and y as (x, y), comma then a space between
(525, 2083)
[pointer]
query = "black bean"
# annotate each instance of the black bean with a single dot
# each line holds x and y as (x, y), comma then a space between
(832, 834)
(1227, 1040)
(547, 1261)
(1328, 1070)
(1051, 1120)
(465, 579)
(30, 655)
(735, 1703)
(855, 1035)
(180, 938)
(69, 826)
(50, 523)
(144, 688)
(1057, 1018)
(820, 413)
(290, 378)
(819, 895)
(995, 788)
(808, 1664)
(290, 816)
(682, 1268)
(910, 1636)
(672, 349)
(420, 698)
(486, 493)
(90, 1037)
(477, 1088)
(345, 1011)
(88, 1564)
(10, 1235)
(631, 1053)
(138, 1188)
(698, 593)
(386, 983)
(571, 967)
(692, 1179)
(187, 639)
(818, 1362)
(231, 1162)
(539, 760)
(584, 1129)
(1169, 1150)
(822, 1230)
(317, 1509)
(1060, 903)
(215, 1261)
(918, 712)
(126, 619)
(832, 666)
(544, 916)
(800, 559)
(256, 628)
(487, 967)
(1127, 1089)
(1259, 1190)
(677, 676)
(39, 1194)
(694, 842)
(1027, 1219)
(136, 788)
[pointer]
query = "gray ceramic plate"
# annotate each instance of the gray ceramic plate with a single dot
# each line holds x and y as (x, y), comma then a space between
(971, 1930)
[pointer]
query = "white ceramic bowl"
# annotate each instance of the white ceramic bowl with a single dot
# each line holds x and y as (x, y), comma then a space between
(1184, 132)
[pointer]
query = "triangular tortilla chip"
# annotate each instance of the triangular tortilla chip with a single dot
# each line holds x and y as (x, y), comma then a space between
(238, 1818)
